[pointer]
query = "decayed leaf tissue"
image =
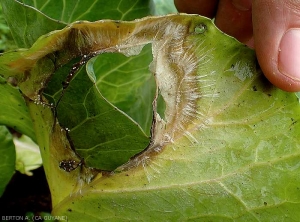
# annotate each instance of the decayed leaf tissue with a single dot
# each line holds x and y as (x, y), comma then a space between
(226, 132)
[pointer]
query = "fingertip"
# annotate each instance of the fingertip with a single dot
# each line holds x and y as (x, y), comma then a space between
(202, 7)
(278, 50)
(289, 54)
(282, 82)
(234, 17)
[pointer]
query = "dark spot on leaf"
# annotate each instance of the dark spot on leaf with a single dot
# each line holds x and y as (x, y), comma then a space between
(254, 88)
(265, 203)
(294, 121)
(69, 165)
(70, 210)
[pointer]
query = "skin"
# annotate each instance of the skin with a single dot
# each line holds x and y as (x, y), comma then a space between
(271, 27)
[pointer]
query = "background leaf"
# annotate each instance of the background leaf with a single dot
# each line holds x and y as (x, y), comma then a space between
(29, 25)
(6, 40)
(7, 158)
(122, 89)
(28, 156)
(69, 11)
(125, 11)
(163, 7)
(128, 84)
(132, 92)
(14, 112)
(110, 138)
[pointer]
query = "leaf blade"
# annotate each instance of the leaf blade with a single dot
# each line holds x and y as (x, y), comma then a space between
(13, 112)
(213, 151)
(8, 157)
(23, 26)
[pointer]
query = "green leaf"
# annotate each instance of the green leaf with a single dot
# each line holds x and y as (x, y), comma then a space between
(111, 137)
(28, 156)
(128, 84)
(226, 149)
(229, 147)
(163, 7)
(7, 158)
(124, 88)
(6, 40)
(14, 112)
(124, 93)
(128, 11)
(69, 11)
(24, 26)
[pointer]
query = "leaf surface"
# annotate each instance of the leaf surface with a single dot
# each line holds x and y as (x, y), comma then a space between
(24, 26)
(120, 90)
(111, 137)
(69, 11)
(7, 158)
(28, 156)
(139, 108)
(229, 147)
(226, 148)
(164, 7)
(14, 112)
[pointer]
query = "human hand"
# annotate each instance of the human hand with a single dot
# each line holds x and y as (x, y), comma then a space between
(271, 27)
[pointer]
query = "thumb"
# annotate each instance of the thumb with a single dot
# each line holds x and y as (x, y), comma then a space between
(276, 30)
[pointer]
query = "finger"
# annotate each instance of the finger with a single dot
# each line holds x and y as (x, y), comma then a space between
(234, 17)
(276, 27)
(202, 7)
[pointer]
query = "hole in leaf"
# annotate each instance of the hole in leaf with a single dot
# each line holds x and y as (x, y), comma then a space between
(108, 119)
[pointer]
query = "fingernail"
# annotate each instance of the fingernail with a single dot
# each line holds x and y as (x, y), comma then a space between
(243, 5)
(289, 54)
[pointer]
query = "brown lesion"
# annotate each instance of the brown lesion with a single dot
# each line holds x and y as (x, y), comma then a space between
(172, 55)
(175, 67)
